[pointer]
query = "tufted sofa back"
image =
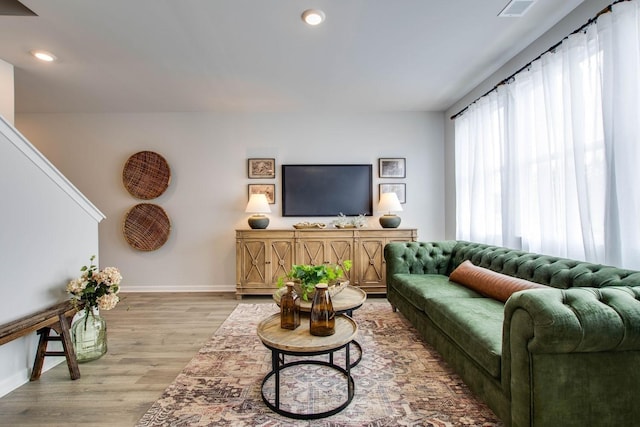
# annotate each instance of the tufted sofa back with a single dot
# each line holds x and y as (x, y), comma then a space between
(419, 257)
(443, 257)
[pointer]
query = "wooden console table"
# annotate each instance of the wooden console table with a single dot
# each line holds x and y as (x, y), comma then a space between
(262, 256)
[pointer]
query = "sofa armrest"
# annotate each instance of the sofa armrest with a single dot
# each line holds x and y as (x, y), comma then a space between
(417, 257)
(563, 350)
(579, 319)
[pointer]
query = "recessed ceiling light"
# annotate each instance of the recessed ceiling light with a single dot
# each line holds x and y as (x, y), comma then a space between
(313, 16)
(43, 55)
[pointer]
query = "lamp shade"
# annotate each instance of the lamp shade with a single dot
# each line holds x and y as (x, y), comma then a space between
(258, 203)
(389, 203)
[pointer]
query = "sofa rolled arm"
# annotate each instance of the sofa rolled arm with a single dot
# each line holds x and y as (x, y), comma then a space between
(418, 257)
(563, 350)
(577, 319)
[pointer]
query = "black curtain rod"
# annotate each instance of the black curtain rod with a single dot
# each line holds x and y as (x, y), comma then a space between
(551, 49)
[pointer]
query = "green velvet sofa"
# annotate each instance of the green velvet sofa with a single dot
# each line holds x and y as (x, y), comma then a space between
(566, 355)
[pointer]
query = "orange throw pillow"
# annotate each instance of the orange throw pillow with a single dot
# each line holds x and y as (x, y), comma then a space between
(489, 283)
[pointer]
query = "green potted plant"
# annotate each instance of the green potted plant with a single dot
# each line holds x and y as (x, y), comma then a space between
(306, 276)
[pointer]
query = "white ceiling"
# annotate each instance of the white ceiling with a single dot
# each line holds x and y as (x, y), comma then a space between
(257, 55)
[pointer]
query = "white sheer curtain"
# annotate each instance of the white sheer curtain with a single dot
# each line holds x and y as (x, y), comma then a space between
(549, 161)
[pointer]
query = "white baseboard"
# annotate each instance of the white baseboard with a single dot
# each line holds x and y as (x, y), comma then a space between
(7, 385)
(218, 289)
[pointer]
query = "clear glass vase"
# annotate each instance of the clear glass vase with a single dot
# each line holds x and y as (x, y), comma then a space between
(89, 335)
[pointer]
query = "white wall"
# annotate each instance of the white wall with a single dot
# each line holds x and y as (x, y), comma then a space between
(7, 97)
(208, 193)
(48, 231)
(578, 17)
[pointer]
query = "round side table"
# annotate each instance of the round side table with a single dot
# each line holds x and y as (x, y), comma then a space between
(349, 299)
(300, 342)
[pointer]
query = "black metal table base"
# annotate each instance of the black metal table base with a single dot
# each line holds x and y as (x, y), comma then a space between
(359, 347)
(278, 365)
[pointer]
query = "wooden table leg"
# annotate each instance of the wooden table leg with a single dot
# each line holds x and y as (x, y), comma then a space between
(42, 349)
(67, 345)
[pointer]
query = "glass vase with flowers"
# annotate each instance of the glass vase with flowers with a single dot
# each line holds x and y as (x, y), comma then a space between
(94, 290)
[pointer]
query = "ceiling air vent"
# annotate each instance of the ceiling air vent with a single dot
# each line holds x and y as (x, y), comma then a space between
(516, 8)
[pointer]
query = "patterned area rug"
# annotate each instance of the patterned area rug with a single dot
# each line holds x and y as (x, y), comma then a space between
(400, 381)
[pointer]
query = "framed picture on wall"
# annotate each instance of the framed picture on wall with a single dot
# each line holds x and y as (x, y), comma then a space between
(268, 189)
(392, 168)
(399, 189)
(262, 168)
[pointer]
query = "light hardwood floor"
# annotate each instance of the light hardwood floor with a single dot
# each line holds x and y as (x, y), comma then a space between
(151, 337)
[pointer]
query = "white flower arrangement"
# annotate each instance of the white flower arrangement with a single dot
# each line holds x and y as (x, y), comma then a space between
(96, 289)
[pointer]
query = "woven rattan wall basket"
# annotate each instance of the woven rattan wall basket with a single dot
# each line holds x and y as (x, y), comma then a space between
(146, 227)
(146, 175)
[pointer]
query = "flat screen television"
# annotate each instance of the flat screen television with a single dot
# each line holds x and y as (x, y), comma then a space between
(327, 190)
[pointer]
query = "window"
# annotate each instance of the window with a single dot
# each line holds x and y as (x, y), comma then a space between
(545, 162)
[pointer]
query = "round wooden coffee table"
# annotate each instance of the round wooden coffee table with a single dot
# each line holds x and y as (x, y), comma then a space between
(349, 299)
(345, 302)
(300, 342)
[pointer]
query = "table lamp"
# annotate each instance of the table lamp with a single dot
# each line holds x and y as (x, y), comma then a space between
(258, 205)
(389, 203)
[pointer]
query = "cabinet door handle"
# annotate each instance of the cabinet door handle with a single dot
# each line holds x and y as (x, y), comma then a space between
(267, 262)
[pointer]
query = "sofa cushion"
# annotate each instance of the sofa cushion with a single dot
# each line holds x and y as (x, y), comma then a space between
(474, 324)
(490, 283)
(417, 288)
